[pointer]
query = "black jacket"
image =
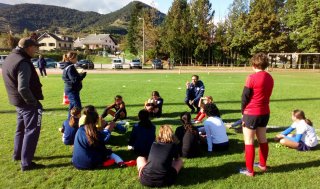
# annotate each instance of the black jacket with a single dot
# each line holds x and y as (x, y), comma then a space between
(11, 67)
(72, 79)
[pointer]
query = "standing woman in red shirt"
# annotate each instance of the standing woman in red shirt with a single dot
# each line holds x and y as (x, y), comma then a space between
(256, 112)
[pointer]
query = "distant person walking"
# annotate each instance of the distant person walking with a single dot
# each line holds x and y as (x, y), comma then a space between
(42, 65)
(195, 90)
(256, 112)
(72, 81)
(24, 91)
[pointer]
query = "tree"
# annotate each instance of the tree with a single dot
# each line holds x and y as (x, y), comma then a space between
(133, 32)
(303, 20)
(202, 20)
(264, 28)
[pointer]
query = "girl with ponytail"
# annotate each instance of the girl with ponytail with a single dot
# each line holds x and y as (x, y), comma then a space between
(89, 149)
(305, 138)
(70, 126)
(188, 136)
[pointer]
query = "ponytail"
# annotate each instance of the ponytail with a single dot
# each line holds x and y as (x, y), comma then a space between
(186, 121)
(75, 111)
(90, 128)
(299, 114)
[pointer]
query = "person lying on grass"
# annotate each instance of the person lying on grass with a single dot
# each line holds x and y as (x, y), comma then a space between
(305, 138)
(70, 126)
(201, 114)
(143, 135)
(154, 104)
(120, 109)
(89, 151)
(188, 136)
(163, 164)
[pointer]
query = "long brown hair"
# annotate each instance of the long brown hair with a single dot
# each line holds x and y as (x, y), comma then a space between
(185, 119)
(90, 127)
(71, 55)
(166, 135)
(299, 114)
(64, 58)
(74, 112)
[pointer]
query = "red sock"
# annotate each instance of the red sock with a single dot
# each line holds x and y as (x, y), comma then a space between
(196, 118)
(263, 153)
(249, 151)
(201, 116)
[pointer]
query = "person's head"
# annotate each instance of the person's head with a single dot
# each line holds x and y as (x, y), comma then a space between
(29, 46)
(75, 113)
(259, 61)
(195, 79)
(72, 57)
(88, 109)
(298, 115)
(209, 99)
(64, 58)
(185, 119)
(143, 116)
(90, 127)
(166, 134)
(211, 110)
(155, 95)
(118, 99)
(40, 56)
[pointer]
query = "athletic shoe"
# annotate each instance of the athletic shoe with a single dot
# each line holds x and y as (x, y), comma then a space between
(131, 163)
(262, 168)
(61, 130)
(33, 165)
(246, 172)
(197, 122)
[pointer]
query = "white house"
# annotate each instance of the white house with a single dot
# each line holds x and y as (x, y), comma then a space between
(97, 41)
(50, 41)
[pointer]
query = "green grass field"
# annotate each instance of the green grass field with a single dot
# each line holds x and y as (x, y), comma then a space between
(288, 168)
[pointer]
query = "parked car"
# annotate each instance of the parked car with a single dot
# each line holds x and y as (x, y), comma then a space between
(85, 64)
(135, 63)
(50, 62)
(117, 63)
(2, 58)
(61, 65)
(157, 64)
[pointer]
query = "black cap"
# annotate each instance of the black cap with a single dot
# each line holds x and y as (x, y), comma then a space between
(28, 42)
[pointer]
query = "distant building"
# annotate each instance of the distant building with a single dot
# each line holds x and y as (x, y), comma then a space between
(50, 41)
(96, 41)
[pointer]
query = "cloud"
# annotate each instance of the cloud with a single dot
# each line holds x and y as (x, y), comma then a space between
(100, 6)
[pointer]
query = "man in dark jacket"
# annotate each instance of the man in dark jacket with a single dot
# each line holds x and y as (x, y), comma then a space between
(24, 92)
(42, 65)
(194, 92)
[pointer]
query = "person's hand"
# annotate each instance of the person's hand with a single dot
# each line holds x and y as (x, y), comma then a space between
(187, 84)
(278, 137)
(84, 74)
(191, 102)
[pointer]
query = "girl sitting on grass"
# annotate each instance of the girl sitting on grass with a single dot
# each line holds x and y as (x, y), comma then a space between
(201, 114)
(305, 138)
(154, 104)
(89, 150)
(70, 126)
(120, 109)
(143, 135)
(188, 136)
(163, 164)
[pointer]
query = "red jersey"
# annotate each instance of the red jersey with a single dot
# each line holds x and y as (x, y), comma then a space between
(256, 94)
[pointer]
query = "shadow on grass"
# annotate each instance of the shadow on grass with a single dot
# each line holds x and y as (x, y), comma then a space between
(58, 165)
(293, 166)
(197, 175)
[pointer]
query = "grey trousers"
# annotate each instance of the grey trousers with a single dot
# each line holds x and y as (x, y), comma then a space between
(27, 133)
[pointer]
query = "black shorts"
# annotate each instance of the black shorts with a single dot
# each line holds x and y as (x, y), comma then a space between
(254, 121)
(156, 180)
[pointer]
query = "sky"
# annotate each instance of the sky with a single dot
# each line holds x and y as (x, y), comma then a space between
(107, 6)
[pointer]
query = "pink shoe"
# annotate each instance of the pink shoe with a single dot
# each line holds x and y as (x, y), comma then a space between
(246, 172)
(262, 168)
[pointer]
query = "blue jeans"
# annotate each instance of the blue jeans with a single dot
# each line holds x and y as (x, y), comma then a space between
(27, 133)
(74, 98)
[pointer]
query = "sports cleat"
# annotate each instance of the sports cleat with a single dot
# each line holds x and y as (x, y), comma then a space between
(246, 172)
(262, 168)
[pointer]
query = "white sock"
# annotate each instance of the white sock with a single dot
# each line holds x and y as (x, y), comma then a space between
(116, 158)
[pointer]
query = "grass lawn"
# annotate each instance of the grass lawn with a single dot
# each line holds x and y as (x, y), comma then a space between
(288, 168)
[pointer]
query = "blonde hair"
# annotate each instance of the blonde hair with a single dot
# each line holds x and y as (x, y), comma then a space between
(64, 58)
(166, 135)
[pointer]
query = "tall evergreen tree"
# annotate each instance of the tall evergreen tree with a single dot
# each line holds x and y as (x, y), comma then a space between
(133, 32)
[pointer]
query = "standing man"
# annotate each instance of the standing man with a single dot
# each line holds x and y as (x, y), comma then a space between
(194, 92)
(24, 92)
(42, 65)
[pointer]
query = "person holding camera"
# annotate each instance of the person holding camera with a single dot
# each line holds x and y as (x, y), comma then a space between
(194, 92)
(72, 81)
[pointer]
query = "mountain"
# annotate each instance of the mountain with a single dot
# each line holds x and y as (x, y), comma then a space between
(47, 17)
